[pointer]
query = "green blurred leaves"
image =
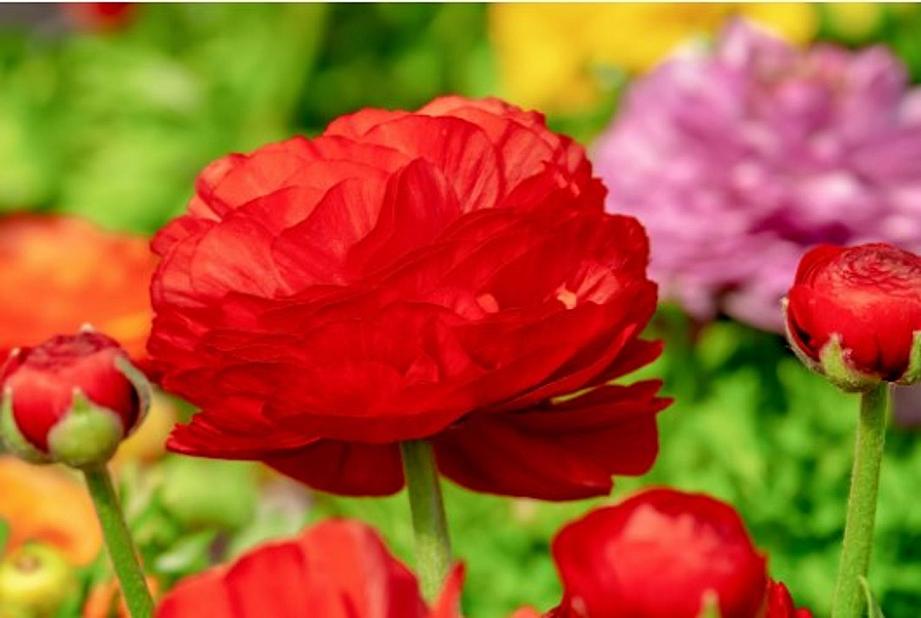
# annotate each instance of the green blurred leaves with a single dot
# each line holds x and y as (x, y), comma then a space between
(122, 123)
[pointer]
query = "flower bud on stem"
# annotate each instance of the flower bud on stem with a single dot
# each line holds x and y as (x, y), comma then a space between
(430, 528)
(849, 597)
(118, 542)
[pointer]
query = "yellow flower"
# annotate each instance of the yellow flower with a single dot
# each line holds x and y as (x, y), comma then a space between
(552, 56)
(147, 443)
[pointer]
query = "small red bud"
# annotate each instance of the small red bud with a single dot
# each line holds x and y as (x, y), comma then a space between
(854, 315)
(71, 400)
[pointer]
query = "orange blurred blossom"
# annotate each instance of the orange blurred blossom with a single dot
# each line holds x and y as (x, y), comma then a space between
(59, 273)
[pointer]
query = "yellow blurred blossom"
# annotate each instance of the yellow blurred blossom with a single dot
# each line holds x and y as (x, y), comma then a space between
(550, 55)
(148, 442)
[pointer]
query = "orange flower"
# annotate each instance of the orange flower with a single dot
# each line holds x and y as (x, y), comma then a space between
(48, 504)
(62, 272)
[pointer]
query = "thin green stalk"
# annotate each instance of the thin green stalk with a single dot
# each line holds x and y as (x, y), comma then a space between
(849, 597)
(430, 528)
(119, 543)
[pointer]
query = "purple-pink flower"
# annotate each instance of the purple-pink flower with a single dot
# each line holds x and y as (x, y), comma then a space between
(741, 157)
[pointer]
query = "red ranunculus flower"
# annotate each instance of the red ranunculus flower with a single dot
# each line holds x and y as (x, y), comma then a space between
(71, 399)
(446, 274)
(660, 554)
(854, 314)
(337, 569)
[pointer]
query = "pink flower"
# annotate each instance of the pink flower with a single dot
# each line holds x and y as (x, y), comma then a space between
(739, 159)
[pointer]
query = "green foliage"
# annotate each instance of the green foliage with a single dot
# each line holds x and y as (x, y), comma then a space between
(397, 56)
(115, 127)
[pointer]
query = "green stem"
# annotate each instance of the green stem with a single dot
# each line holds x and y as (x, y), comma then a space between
(430, 528)
(861, 505)
(119, 543)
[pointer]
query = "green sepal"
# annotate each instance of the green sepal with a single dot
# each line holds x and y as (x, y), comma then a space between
(87, 435)
(836, 366)
(833, 362)
(12, 438)
(4, 535)
(873, 608)
(913, 373)
(141, 386)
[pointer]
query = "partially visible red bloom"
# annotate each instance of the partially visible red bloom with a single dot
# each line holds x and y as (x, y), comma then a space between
(336, 569)
(780, 603)
(446, 274)
(101, 16)
(60, 273)
(862, 305)
(659, 554)
(43, 387)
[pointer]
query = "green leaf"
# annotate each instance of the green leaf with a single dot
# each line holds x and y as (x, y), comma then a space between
(4, 534)
(873, 608)
(189, 555)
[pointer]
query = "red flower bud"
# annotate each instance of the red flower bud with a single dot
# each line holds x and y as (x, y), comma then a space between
(660, 554)
(70, 400)
(854, 314)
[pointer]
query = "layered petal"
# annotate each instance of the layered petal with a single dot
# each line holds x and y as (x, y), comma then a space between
(564, 451)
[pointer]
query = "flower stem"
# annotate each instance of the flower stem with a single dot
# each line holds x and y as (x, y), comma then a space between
(118, 541)
(430, 528)
(861, 506)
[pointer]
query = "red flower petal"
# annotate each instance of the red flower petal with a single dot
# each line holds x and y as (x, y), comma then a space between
(337, 569)
(343, 468)
(565, 452)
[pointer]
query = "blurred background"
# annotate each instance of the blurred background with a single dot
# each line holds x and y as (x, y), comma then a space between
(108, 112)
